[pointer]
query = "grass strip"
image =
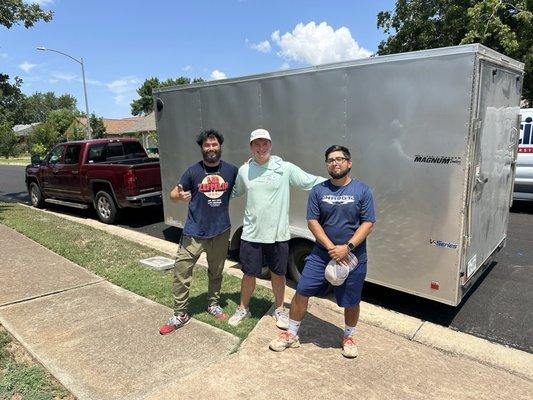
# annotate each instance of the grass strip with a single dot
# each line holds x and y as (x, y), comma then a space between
(21, 377)
(117, 260)
(15, 161)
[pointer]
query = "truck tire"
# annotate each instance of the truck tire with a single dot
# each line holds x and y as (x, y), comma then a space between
(298, 251)
(105, 207)
(36, 196)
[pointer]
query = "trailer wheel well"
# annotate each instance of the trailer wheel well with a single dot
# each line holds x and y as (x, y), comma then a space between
(299, 249)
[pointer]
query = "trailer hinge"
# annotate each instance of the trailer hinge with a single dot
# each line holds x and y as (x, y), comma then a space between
(467, 239)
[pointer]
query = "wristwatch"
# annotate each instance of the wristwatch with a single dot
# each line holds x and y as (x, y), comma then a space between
(350, 245)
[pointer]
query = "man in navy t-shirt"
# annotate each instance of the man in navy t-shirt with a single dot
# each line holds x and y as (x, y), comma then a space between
(206, 186)
(340, 214)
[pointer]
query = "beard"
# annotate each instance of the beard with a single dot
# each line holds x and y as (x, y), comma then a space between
(212, 156)
(339, 175)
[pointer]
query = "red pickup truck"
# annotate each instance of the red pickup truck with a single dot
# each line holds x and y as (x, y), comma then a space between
(109, 174)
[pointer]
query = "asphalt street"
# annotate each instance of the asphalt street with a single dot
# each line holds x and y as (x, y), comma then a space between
(498, 308)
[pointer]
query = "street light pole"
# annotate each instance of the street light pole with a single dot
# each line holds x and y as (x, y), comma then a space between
(80, 61)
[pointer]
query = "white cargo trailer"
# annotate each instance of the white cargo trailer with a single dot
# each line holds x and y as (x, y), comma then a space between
(434, 133)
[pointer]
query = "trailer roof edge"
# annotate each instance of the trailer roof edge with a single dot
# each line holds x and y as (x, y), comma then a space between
(476, 48)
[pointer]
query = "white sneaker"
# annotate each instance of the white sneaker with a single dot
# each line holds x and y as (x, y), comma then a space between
(240, 314)
(281, 316)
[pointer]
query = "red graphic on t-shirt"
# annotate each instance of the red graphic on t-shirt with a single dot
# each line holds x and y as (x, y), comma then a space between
(213, 186)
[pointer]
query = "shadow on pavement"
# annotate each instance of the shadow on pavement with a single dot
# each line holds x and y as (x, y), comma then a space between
(321, 333)
(522, 207)
(418, 307)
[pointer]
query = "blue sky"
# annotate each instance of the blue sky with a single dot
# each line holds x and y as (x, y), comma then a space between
(125, 42)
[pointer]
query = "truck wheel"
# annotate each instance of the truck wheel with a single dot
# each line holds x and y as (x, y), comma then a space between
(106, 208)
(298, 252)
(36, 196)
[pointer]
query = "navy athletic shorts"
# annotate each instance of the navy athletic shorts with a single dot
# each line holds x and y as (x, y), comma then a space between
(274, 255)
(313, 283)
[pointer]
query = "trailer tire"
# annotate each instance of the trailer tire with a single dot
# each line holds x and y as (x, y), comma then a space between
(298, 251)
(36, 196)
(105, 207)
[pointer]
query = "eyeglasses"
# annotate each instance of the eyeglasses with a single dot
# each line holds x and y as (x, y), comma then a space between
(337, 160)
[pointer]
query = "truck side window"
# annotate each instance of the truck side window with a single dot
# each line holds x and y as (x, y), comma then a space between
(72, 155)
(133, 150)
(114, 152)
(54, 157)
(96, 153)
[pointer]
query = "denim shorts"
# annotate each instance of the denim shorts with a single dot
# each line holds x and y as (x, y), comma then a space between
(313, 282)
(273, 255)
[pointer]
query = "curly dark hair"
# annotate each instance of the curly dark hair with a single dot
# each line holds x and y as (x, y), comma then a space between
(337, 147)
(200, 139)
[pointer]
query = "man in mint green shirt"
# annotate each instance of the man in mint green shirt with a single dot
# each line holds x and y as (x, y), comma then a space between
(266, 181)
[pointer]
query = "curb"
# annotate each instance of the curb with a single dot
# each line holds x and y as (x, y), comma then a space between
(517, 362)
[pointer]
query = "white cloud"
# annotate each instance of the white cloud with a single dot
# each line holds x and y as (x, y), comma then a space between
(26, 66)
(187, 68)
(216, 74)
(318, 44)
(125, 90)
(123, 85)
(53, 80)
(92, 82)
(63, 77)
(262, 47)
(284, 66)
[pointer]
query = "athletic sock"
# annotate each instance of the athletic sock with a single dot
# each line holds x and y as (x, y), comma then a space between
(293, 327)
(349, 330)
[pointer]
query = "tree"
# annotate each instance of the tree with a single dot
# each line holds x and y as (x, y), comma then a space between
(37, 107)
(145, 104)
(423, 24)
(10, 99)
(52, 131)
(97, 127)
(8, 141)
(15, 12)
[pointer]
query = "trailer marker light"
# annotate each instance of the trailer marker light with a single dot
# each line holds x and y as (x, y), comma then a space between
(434, 285)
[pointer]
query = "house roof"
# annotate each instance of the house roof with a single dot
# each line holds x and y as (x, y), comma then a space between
(115, 126)
(143, 124)
(24, 130)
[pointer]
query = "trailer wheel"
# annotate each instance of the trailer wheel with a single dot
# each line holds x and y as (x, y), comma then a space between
(298, 251)
(105, 207)
(36, 196)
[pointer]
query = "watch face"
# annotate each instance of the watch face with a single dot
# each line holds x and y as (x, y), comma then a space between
(351, 246)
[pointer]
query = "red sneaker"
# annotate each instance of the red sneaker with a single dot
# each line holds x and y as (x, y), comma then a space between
(174, 323)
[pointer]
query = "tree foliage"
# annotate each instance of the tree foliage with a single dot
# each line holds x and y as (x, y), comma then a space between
(53, 130)
(505, 26)
(145, 104)
(8, 141)
(38, 106)
(15, 12)
(97, 127)
(10, 99)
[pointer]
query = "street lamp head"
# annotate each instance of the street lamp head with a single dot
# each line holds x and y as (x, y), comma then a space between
(41, 48)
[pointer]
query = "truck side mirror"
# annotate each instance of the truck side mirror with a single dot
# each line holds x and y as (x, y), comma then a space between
(36, 159)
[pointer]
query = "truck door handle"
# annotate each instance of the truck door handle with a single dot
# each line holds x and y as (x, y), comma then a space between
(75, 172)
(55, 171)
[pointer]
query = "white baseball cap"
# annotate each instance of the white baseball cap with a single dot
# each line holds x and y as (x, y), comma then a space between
(259, 134)
(336, 273)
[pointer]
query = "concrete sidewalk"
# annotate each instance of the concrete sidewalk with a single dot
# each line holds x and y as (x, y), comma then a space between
(101, 342)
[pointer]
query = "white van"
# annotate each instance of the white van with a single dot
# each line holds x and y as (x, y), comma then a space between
(523, 183)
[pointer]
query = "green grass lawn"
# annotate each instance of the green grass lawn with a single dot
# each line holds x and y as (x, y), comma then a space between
(23, 378)
(15, 160)
(117, 260)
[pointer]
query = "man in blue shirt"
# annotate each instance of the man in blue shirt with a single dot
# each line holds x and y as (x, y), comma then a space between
(206, 186)
(340, 214)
